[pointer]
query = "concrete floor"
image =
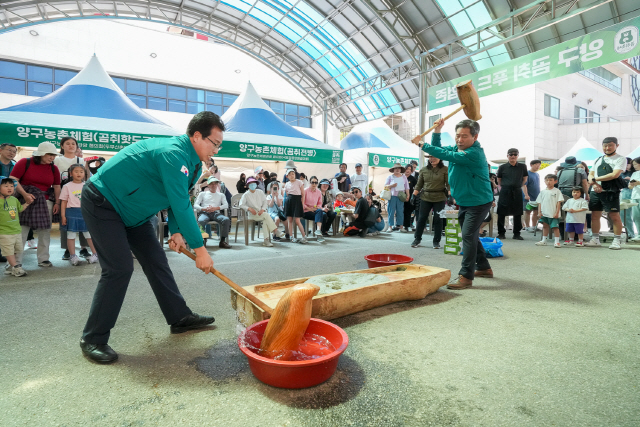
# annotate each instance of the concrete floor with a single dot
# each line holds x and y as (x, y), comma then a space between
(550, 341)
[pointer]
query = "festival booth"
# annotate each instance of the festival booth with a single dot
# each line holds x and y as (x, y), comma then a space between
(256, 136)
(583, 151)
(90, 107)
(378, 147)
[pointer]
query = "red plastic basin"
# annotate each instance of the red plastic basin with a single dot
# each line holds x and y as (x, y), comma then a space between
(383, 260)
(297, 374)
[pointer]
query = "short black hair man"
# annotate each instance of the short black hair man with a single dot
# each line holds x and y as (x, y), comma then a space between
(117, 203)
(512, 178)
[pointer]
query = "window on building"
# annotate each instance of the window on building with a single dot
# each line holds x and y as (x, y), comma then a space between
(580, 115)
(594, 117)
(432, 119)
(604, 77)
(551, 106)
(35, 80)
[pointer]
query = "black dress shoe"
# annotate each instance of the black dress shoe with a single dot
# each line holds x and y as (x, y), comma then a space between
(84, 253)
(517, 237)
(99, 353)
(192, 321)
(224, 245)
(501, 236)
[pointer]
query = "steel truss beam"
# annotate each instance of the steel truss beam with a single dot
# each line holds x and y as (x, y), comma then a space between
(406, 71)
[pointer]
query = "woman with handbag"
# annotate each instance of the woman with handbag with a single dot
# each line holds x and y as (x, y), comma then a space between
(399, 187)
(432, 188)
(276, 208)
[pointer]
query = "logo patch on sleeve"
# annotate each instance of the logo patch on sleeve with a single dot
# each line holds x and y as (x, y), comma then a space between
(184, 170)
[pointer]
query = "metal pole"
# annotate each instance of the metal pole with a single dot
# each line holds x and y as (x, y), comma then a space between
(325, 123)
(422, 109)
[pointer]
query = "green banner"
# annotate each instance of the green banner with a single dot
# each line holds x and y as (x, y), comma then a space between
(385, 161)
(31, 136)
(611, 44)
(243, 150)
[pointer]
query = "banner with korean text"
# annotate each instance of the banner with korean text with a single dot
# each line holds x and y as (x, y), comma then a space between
(614, 43)
(386, 161)
(272, 152)
(31, 136)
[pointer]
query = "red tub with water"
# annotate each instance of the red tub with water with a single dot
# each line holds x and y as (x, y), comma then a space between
(384, 260)
(296, 374)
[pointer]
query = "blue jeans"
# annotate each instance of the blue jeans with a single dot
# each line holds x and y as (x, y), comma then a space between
(395, 207)
(315, 216)
(635, 214)
(378, 226)
(474, 256)
(628, 218)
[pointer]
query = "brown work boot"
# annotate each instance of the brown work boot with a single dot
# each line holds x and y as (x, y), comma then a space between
(488, 273)
(460, 283)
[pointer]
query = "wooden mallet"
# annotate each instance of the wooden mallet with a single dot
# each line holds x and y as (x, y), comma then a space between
(469, 101)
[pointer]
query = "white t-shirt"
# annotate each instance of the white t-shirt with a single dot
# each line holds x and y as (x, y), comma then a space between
(635, 193)
(548, 199)
(576, 217)
(64, 164)
(617, 162)
(361, 181)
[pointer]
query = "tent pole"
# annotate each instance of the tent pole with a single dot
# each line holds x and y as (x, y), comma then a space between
(325, 123)
(423, 107)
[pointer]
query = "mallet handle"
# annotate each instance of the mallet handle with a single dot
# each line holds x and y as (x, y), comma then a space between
(233, 285)
(456, 111)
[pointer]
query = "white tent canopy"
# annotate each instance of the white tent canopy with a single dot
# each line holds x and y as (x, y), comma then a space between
(583, 151)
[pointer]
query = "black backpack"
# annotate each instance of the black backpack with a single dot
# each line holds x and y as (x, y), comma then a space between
(614, 185)
(576, 179)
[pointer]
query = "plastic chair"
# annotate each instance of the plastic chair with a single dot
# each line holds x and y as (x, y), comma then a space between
(243, 216)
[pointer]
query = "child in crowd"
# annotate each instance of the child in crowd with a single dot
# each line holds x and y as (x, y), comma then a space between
(576, 209)
(339, 206)
(276, 208)
(293, 207)
(255, 203)
(71, 215)
(549, 204)
(10, 230)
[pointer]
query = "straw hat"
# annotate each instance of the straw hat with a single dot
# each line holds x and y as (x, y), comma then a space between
(290, 165)
(397, 165)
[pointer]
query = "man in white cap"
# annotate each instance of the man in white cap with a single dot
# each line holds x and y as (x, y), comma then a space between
(360, 179)
(259, 177)
(210, 205)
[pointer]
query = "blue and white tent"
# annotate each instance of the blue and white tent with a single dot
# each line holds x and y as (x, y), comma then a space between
(583, 151)
(255, 132)
(90, 107)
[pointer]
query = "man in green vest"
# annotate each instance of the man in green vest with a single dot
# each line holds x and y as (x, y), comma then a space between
(117, 203)
(471, 189)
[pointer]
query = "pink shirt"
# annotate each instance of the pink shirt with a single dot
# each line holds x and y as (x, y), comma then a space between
(294, 188)
(72, 192)
(312, 199)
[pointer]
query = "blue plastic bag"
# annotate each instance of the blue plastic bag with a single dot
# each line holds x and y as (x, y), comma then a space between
(492, 246)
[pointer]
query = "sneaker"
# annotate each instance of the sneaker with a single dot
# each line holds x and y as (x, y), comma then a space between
(531, 229)
(557, 245)
(320, 238)
(415, 243)
(579, 245)
(317, 233)
(436, 246)
(75, 260)
(45, 264)
(386, 228)
(8, 270)
(31, 244)
(84, 253)
(325, 234)
(304, 241)
(403, 230)
(541, 243)
(267, 243)
(18, 271)
(518, 237)
(293, 239)
(394, 229)
(567, 243)
(287, 237)
(615, 245)
(66, 255)
(501, 236)
(593, 243)
(93, 259)
(589, 233)
(635, 239)
(276, 238)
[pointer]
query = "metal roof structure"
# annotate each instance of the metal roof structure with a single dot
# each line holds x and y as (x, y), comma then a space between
(357, 60)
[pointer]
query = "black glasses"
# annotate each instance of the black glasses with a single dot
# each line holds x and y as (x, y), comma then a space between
(512, 154)
(314, 182)
(218, 147)
(355, 191)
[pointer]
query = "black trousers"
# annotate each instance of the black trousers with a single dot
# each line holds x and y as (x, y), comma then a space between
(517, 224)
(114, 244)
(327, 220)
(473, 256)
(423, 217)
(408, 211)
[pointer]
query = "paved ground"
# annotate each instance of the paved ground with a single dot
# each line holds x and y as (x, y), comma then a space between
(552, 340)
